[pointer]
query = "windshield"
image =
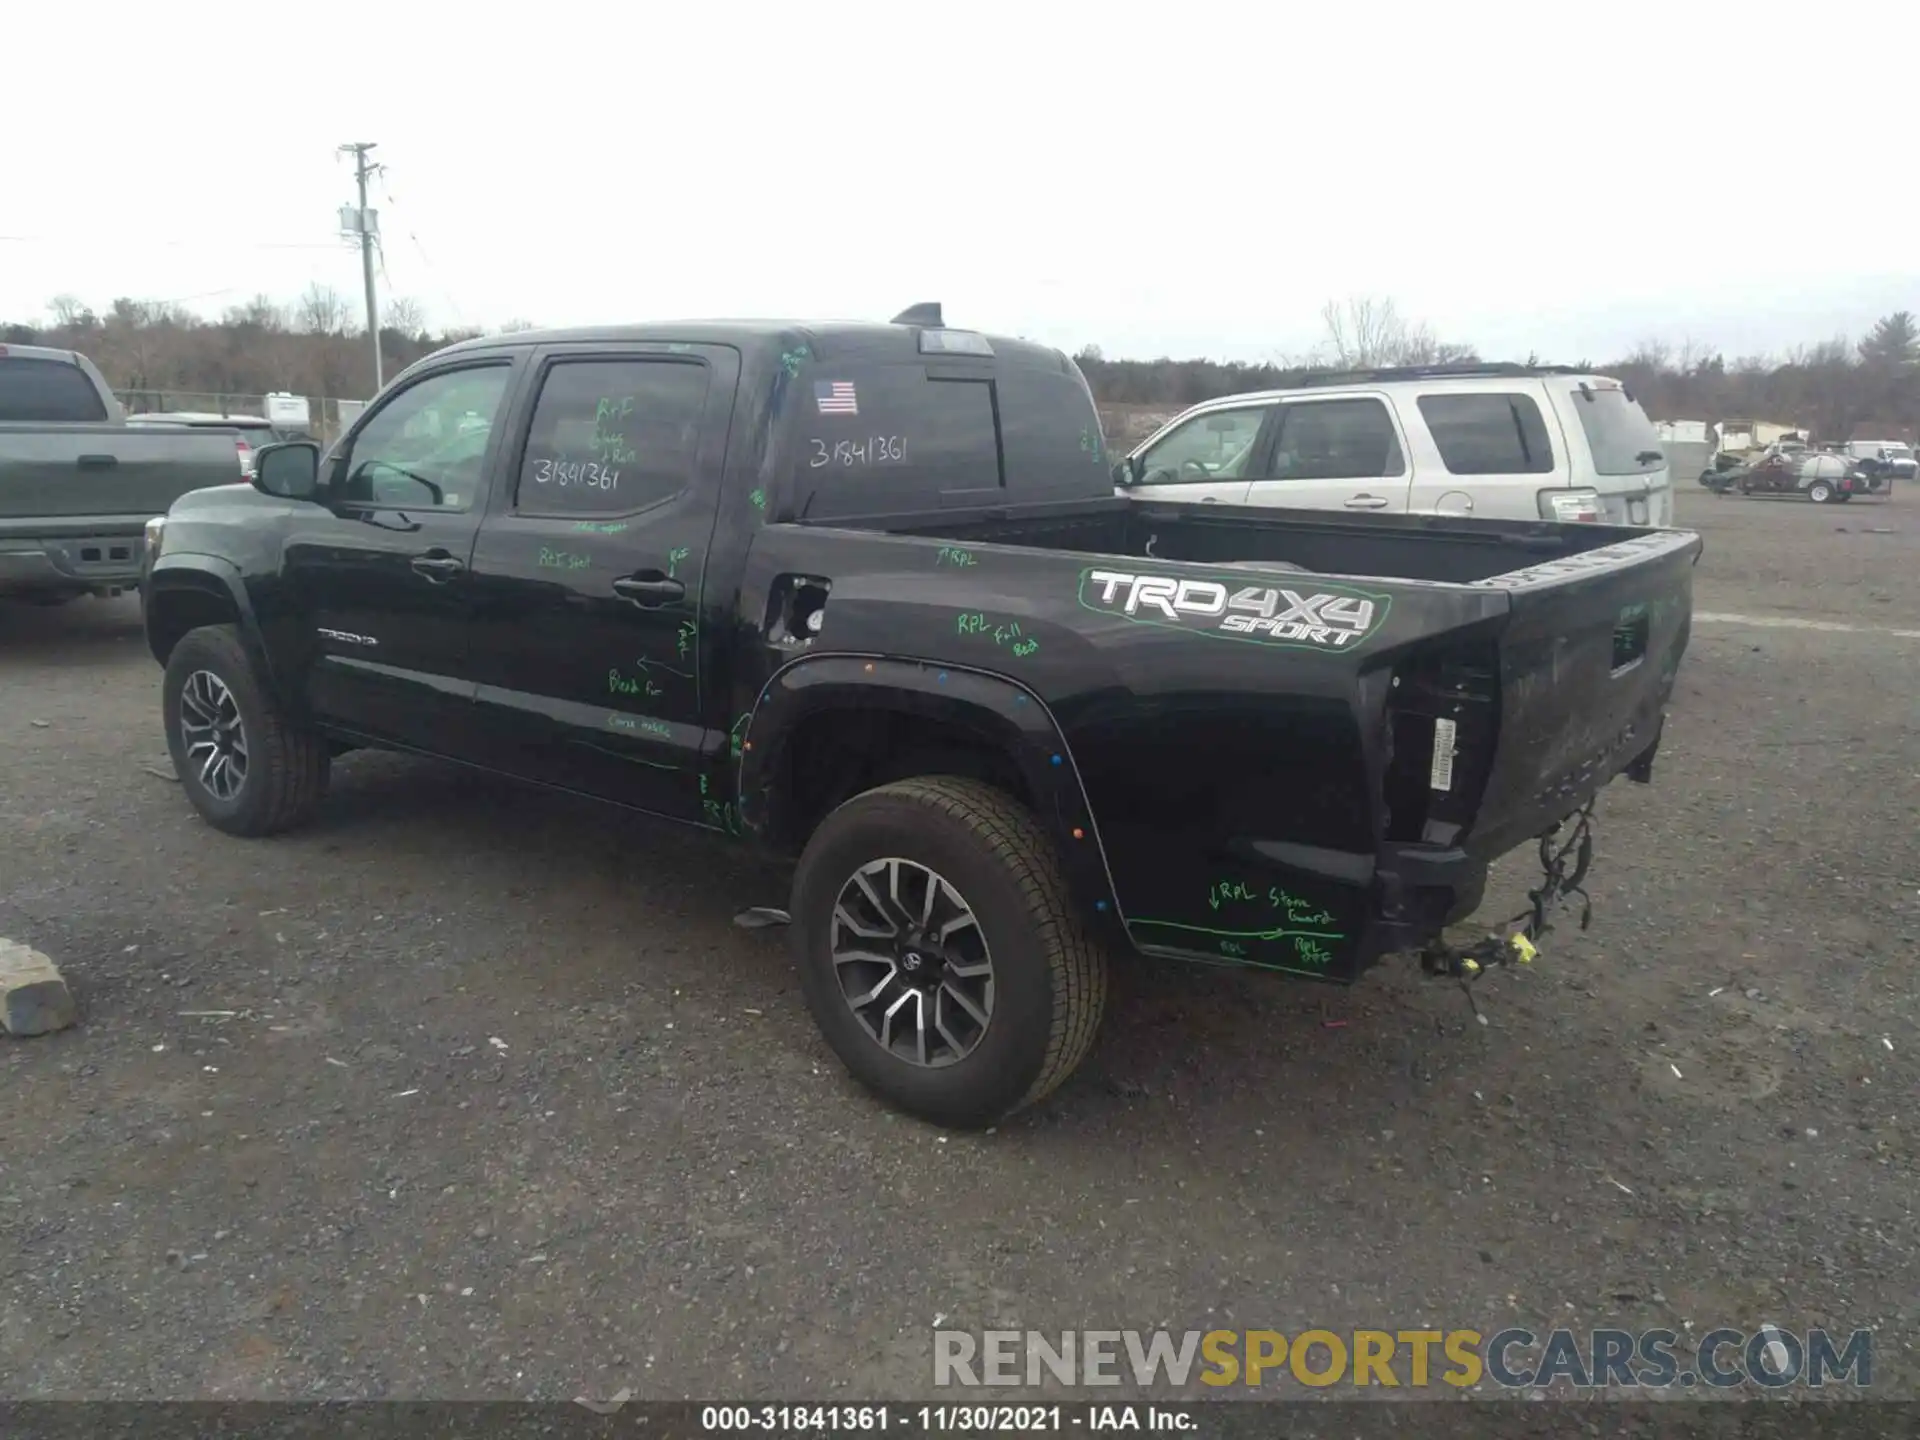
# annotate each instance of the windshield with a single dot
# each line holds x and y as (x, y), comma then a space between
(1621, 437)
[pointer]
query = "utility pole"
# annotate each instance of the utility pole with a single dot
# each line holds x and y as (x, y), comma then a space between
(366, 224)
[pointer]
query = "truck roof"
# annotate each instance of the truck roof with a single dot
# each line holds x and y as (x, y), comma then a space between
(826, 339)
(40, 352)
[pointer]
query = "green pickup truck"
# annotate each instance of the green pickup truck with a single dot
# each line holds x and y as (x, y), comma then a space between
(78, 483)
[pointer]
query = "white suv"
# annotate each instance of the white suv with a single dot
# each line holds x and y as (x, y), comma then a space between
(1504, 442)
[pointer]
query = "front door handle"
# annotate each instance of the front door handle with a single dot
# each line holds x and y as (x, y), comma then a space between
(649, 588)
(1208, 499)
(97, 462)
(1367, 502)
(437, 565)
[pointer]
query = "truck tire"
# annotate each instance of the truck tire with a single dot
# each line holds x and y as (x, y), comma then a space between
(245, 767)
(940, 953)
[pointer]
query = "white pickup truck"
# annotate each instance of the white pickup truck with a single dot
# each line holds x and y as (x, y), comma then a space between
(1884, 461)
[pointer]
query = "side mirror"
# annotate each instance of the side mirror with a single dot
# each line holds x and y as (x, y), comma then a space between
(290, 471)
(1127, 472)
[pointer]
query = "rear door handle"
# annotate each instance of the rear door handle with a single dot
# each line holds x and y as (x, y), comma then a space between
(649, 588)
(437, 565)
(1208, 499)
(97, 462)
(1367, 502)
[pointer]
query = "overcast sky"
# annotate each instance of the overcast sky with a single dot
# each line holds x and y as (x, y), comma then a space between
(1564, 176)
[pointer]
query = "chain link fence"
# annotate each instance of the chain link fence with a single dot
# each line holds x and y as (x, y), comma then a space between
(326, 416)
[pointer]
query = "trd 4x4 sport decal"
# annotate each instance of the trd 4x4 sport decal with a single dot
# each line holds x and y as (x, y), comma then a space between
(1313, 616)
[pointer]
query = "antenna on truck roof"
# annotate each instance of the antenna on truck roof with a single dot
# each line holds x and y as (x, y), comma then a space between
(927, 313)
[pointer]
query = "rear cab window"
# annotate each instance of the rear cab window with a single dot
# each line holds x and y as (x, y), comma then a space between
(1619, 434)
(879, 437)
(50, 390)
(1488, 434)
(873, 436)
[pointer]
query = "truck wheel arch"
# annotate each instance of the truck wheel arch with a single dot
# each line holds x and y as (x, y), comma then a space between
(183, 594)
(908, 715)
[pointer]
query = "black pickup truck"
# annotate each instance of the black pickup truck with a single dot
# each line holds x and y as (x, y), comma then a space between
(862, 594)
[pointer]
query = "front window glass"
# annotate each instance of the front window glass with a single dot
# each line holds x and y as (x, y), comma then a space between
(1215, 446)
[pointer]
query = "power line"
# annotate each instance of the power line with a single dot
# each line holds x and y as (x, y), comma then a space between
(200, 243)
(432, 269)
(202, 295)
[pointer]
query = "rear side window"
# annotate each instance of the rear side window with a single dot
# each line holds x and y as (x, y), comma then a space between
(879, 439)
(1050, 436)
(50, 390)
(1621, 437)
(1337, 440)
(1488, 434)
(612, 436)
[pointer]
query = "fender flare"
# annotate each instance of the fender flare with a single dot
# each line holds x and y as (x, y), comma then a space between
(1003, 712)
(210, 575)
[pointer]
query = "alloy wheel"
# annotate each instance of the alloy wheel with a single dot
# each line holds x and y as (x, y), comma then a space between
(213, 735)
(912, 962)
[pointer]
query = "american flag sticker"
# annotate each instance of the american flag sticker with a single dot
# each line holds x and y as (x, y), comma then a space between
(835, 397)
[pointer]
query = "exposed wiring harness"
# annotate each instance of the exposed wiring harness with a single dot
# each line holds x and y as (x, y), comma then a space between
(1564, 862)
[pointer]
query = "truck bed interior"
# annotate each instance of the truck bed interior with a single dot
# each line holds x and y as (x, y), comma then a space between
(1410, 547)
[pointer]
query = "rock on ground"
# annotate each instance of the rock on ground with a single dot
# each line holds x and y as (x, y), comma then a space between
(33, 998)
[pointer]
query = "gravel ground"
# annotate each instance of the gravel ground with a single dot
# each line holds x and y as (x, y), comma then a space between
(473, 1091)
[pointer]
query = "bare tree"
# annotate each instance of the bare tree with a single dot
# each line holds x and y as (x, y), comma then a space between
(406, 315)
(259, 313)
(1364, 333)
(70, 312)
(1650, 355)
(321, 311)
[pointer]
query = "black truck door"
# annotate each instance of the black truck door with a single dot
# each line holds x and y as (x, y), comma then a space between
(590, 574)
(378, 575)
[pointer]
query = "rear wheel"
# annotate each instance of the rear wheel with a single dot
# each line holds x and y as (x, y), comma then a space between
(245, 766)
(940, 953)
(1820, 492)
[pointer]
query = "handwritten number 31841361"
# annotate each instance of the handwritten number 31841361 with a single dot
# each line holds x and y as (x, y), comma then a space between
(875, 450)
(586, 473)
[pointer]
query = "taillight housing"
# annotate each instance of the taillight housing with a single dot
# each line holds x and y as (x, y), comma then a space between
(246, 455)
(1573, 506)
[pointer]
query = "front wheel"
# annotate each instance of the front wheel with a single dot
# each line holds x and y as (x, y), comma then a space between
(1820, 492)
(245, 766)
(940, 953)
